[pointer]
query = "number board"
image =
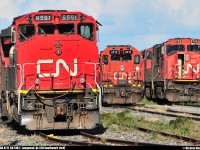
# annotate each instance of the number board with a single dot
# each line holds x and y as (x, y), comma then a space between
(128, 52)
(69, 17)
(43, 18)
(114, 52)
(178, 41)
(194, 41)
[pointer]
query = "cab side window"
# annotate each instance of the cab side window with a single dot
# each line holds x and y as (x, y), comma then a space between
(105, 59)
(86, 30)
(137, 59)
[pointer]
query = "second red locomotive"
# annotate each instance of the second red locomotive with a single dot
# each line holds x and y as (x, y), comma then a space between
(121, 75)
(172, 70)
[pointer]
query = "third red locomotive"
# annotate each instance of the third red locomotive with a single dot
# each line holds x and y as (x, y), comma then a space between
(172, 70)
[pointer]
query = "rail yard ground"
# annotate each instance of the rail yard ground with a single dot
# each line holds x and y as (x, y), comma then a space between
(121, 123)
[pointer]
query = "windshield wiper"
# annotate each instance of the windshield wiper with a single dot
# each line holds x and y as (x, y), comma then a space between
(23, 35)
(70, 32)
(42, 30)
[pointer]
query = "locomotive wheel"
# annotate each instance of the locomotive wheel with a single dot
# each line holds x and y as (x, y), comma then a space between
(148, 93)
(104, 104)
(4, 111)
(0, 108)
(160, 93)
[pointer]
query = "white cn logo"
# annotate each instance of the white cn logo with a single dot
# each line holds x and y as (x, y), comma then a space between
(58, 62)
(189, 66)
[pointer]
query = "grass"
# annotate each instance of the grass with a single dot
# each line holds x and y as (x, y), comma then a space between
(126, 121)
(31, 141)
(147, 102)
(190, 103)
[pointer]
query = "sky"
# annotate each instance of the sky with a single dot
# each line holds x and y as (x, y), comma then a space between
(140, 23)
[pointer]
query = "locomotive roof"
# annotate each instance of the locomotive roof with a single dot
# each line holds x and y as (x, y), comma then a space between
(179, 38)
(49, 10)
(119, 46)
(16, 18)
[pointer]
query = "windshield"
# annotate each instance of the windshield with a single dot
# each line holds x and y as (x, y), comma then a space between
(46, 28)
(137, 59)
(149, 55)
(115, 57)
(174, 48)
(25, 31)
(194, 48)
(126, 57)
(66, 29)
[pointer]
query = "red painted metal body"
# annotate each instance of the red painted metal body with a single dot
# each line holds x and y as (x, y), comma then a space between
(172, 70)
(55, 64)
(121, 74)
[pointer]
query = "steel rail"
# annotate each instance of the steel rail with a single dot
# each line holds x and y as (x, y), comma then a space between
(179, 137)
(175, 111)
(97, 139)
(166, 114)
(68, 142)
(122, 142)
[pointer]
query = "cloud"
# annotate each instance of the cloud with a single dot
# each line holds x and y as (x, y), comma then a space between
(147, 21)
(186, 13)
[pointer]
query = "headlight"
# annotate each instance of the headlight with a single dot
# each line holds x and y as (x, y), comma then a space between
(122, 68)
(187, 57)
(82, 80)
(37, 81)
(58, 52)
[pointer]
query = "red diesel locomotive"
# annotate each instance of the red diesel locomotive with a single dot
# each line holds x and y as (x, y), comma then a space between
(121, 75)
(171, 70)
(50, 71)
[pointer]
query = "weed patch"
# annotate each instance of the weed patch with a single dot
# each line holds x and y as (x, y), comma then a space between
(126, 121)
(145, 101)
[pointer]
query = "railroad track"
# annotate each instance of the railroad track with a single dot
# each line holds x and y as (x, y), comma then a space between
(190, 105)
(170, 113)
(97, 141)
(194, 142)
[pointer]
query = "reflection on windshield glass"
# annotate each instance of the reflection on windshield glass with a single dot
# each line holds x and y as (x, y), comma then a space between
(194, 48)
(115, 57)
(46, 28)
(86, 30)
(174, 48)
(66, 28)
(126, 57)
